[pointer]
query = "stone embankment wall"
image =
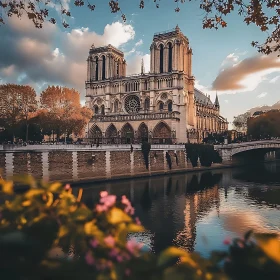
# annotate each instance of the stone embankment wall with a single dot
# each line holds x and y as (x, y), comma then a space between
(74, 163)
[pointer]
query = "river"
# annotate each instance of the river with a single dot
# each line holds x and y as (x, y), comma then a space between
(197, 211)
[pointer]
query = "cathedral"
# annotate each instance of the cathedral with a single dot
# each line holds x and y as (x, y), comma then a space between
(162, 106)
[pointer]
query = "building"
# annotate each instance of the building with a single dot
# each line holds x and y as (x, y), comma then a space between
(161, 106)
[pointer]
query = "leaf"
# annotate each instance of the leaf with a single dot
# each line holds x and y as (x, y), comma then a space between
(7, 186)
(55, 187)
(270, 244)
(173, 252)
(26, 203)
(135, 228)
(63, 230)
(116, 216)
(33, 192)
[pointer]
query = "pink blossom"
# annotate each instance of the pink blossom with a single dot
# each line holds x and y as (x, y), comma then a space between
(128, 209)
(119, 258)
(94, 243)
(227, 241)
(103, 194)
(108, 200)
(113, 253)
(109, 241)
(101, 208)
(127, 272)
(138, 222)
(89, 258)
(67, 187)
(132, 246)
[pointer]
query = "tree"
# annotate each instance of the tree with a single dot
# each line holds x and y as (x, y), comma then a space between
(240, 122)
(17, 103)
(263, 13)
(62, 112)
(265, 125)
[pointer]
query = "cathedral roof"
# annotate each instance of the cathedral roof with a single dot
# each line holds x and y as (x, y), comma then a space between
(201, 98)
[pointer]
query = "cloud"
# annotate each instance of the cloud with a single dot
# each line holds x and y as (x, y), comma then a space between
(134, 64)
(247, 74)
(262, 95)
(52, 56)
(274, 80)
(139, 43)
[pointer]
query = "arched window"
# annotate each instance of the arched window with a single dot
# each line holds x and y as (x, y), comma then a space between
(169, 57)
(118, 68)
(169, 106)
(116, 106)
(103, 67)
(161, 58)
(147, 104)
(95, 110)
(96, 68)
(160, 106)
(102, 110)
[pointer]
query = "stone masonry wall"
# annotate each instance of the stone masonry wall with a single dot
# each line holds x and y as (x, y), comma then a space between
(2, 164)
(60, 166)
(120, 163)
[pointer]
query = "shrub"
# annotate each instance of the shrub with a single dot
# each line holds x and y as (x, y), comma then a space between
(46, 218)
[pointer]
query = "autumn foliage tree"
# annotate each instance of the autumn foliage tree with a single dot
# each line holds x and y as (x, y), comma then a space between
(264, 14)
(240, 121)
(17, 104)
(265, 125)
(61, 111)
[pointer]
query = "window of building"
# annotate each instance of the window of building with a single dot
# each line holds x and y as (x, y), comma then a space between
(161, 58)
(95, 110)
(116, 106)
(103, 67)
(145, 85)
(102, 110)
(169, 106)
(169, 57)
(147, 104)
(96, 68)
(118, 69)
(160, 106)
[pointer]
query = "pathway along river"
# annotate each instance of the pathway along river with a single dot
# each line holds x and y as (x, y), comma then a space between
(197, 211)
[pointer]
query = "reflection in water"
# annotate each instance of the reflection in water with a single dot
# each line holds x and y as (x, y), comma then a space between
(196, 211)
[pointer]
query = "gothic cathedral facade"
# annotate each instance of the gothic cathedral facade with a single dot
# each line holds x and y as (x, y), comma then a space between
(161, 106)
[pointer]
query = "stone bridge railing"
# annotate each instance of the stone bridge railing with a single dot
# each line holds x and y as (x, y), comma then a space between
(227, 151)
(120, 147)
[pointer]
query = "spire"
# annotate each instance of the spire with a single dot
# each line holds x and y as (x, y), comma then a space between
(217, 104)
(142, 67)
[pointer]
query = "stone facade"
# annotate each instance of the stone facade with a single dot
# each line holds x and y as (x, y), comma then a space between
(161, 106)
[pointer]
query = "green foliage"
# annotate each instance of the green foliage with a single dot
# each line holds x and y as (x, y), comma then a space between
(146, 148)
(205, 153)
(39, 226)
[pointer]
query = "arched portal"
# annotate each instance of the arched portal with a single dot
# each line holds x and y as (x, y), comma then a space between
(111, 134)
(162, 134)
(127, 134)
(95, 134)
(143, 133)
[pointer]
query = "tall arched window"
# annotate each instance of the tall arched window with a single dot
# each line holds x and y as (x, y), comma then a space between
(116, 106)
(102, 110)
(147, 104)
(103, 67)
(118, 68)
(96, 110)
(161, 58)
(169, 57)
(169, 106)
(96, 68)
(160, 106)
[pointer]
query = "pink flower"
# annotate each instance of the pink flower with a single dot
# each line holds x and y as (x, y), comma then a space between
(227, 241)
(128, 209)
(119, 258)
(89, 258)
(103, 194)
(67, 187)
(132, 246)
(101, 208)
(137, 221)
(109, 241)
(94, 243)
(113, 253)
(108, 200)
(127, 272)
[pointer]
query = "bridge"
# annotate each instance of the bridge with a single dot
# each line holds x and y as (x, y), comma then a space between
(247, 151)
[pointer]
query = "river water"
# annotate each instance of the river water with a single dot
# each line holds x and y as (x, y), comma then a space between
(197, 211)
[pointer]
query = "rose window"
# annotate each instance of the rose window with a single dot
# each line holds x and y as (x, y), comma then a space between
(132, 104)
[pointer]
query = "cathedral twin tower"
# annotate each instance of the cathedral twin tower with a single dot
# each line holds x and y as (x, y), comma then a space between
(158, 106)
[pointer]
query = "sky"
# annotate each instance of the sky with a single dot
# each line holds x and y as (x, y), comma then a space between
(223, 59)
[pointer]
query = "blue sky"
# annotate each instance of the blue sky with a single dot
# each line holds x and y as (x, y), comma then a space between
(57, 56)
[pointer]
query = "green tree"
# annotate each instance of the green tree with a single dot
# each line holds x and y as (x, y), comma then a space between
(240, 122)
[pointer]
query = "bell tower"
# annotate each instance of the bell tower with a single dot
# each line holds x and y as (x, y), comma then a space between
(105, 63)
(170, 52)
